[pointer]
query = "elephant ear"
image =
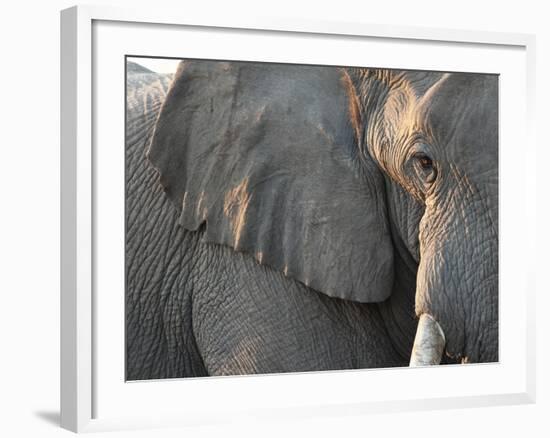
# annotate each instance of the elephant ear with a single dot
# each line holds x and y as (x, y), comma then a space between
(266, 156)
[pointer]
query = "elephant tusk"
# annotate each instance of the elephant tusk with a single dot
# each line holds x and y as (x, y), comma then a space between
(429, 342)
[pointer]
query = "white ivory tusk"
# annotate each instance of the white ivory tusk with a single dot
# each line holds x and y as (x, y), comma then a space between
(429, 342)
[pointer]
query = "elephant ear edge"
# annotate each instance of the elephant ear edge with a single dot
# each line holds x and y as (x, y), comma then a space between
(265, 156)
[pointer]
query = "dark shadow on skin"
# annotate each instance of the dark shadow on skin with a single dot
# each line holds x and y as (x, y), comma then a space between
(51, 417)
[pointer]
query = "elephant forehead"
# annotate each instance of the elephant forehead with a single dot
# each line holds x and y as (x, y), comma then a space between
(461, 119)
(404, 110)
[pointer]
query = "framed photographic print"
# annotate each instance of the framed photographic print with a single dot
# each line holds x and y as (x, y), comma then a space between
(260, 208)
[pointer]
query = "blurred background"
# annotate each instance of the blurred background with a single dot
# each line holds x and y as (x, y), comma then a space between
(157, 65)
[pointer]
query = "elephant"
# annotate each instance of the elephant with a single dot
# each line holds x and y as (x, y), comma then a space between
(289, 218)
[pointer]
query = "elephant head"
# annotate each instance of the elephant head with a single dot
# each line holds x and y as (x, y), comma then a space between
(322, 172)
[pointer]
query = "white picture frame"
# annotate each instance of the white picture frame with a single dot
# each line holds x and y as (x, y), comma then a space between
(83, 370)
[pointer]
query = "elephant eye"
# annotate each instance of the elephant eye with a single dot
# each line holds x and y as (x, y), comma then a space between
(425, 167)
(425, 162)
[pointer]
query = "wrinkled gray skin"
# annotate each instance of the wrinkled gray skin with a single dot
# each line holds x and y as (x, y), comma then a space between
(284, 218)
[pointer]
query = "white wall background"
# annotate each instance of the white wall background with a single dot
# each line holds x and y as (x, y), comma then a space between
(29, 215)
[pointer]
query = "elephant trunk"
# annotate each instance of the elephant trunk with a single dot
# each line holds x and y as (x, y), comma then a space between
(429, 342)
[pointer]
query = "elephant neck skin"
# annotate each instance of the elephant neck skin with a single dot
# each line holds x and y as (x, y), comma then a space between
(397, 311)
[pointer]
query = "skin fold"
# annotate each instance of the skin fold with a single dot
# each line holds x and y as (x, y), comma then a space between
(296, 218)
